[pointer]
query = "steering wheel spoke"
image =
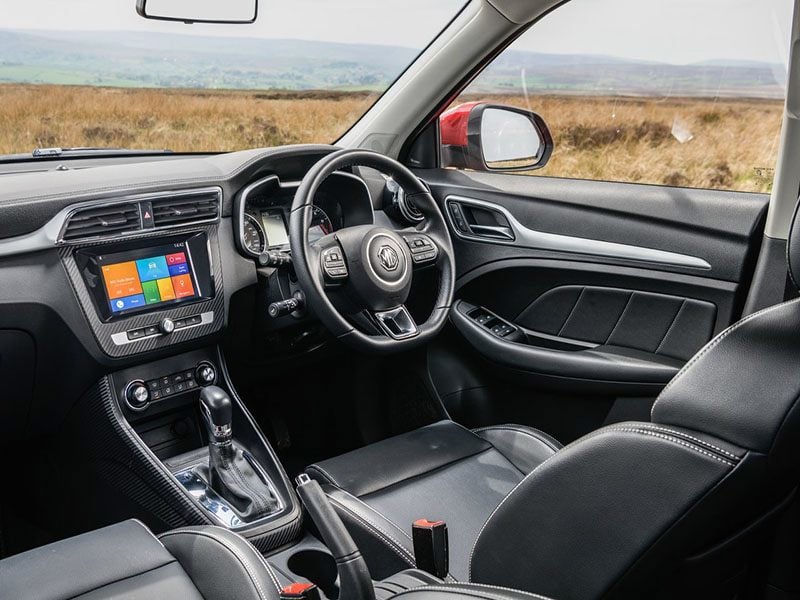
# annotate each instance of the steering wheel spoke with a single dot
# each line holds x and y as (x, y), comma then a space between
(397, 323)
(424, 250)
(332, 263)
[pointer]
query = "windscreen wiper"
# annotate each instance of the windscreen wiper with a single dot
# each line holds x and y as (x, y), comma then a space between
(91, 151)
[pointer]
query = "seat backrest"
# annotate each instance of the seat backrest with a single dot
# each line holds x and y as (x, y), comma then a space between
(675, 507)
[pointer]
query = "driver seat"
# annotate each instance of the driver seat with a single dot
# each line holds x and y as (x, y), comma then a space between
(442, 471)
(682, 506)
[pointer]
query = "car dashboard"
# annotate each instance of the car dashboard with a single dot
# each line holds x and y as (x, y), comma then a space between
(115, 264)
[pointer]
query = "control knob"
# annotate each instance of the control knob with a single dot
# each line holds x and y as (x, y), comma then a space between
(166, 326)
(205, 374)
(137, 395)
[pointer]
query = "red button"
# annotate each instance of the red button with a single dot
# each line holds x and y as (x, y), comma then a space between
(176, 259)
(427, 524)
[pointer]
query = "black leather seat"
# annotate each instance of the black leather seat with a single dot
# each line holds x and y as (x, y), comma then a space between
(442, 471)
(681, 506)
(126, 561)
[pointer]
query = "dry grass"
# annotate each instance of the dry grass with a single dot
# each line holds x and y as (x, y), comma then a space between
(734, 143)
(182, 120)
(733, 146)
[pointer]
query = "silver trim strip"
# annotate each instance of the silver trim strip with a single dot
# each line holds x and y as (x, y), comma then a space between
(121, 338)
(214, 504)
(529, 238)
(242, 202)
(49, 235)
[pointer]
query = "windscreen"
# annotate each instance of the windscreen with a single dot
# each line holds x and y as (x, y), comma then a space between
(92, 73)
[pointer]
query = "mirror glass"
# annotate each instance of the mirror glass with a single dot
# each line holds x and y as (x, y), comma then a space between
(213, 11)
(509, 140)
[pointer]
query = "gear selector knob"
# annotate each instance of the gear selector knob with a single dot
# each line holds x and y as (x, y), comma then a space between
(217, 411)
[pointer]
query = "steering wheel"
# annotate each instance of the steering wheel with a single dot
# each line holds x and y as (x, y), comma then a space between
(369, 269)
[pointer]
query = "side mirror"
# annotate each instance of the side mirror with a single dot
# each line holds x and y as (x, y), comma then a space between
(492, 137)
(231, 12)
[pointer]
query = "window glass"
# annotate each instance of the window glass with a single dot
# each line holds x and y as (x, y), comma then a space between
(680, 93)
(77, 73)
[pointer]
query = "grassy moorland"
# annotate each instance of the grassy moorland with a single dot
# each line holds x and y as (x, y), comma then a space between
(728, 144)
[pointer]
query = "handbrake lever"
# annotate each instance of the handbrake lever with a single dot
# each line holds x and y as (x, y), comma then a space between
(355, 582)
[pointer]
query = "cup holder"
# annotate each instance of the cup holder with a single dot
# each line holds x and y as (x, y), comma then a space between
(317, 567)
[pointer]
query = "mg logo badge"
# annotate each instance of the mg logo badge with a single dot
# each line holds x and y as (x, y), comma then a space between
(388, 257)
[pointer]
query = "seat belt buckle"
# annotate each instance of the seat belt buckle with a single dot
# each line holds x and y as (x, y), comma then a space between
(300, 591)
(431, 547)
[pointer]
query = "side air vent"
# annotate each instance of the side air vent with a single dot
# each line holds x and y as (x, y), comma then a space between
(102, 221)
(183, 209)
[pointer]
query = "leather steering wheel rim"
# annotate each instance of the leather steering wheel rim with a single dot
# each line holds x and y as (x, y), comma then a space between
(305, 256)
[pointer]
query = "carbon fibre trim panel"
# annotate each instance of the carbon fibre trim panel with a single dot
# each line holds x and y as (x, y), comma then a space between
(103, 332)
(114, 451)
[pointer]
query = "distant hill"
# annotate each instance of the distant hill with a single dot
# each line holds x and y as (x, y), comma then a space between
(140, 59)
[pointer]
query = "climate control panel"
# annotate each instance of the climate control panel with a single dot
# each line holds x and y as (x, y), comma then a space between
(140, 393)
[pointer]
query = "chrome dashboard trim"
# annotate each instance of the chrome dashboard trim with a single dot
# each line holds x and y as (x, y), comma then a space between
(121, 338)
(49, 235)
(540, 240)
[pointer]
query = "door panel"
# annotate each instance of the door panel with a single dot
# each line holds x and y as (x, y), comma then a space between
(610, 288)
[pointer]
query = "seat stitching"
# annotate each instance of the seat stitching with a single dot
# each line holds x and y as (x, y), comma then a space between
(242, 560)
(147, 529)
(393, 545)
(674, 439)
(270, 571)
(522, 431)
(691, 437)
(713, 343)
(324, 473)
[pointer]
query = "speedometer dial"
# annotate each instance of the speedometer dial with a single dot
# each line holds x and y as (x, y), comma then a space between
(320, 225)
(253, 235)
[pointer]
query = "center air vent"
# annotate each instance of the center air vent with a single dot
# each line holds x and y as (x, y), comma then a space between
(102, 221)
(179, 210)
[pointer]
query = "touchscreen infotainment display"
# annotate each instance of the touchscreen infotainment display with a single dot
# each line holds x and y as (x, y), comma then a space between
(161, 275)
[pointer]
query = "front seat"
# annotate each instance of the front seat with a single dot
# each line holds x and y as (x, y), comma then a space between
(681, 506)
(126, 561)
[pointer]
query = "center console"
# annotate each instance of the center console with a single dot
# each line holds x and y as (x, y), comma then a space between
(189, 424)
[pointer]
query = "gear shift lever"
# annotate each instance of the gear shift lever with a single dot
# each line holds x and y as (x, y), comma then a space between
(217, 412)
(232, 471)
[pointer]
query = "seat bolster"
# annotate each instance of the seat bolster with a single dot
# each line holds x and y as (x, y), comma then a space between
(87, 562)
(222, 564)
(524, 447)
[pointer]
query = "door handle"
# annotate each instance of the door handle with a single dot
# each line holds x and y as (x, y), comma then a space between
(481, 222)
(493, 231)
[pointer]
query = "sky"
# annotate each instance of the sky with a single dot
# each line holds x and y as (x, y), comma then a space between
(675, 31)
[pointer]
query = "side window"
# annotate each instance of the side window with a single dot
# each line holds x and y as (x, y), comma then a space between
(683, 93)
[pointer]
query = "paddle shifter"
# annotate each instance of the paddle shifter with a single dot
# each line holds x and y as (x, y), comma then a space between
(232, 471)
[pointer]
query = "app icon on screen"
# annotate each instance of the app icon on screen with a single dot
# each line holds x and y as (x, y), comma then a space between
(153, 268)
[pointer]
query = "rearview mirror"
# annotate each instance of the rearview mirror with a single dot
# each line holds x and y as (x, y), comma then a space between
(199, 11)
(490, 137)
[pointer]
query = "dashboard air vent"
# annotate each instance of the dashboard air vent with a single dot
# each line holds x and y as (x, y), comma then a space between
(102, 221)
(180, 210)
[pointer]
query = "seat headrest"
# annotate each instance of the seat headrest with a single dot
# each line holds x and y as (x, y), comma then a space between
(793, 248)
(744, 385)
